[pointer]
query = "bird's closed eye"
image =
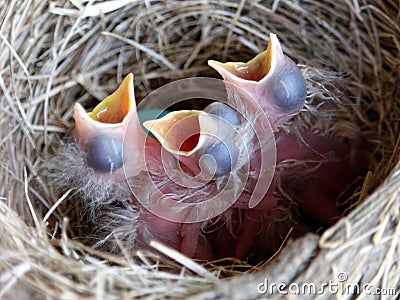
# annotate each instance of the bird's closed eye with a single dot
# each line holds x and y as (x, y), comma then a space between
(224, 111)
(289, 88)
(104, 153)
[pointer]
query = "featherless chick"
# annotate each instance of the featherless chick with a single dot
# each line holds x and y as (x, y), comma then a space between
(149, 174)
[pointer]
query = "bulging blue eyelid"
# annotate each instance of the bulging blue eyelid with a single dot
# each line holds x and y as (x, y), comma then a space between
(105, 154)
(224, 111)
(289, 88)
(225, 154)
(225, 157)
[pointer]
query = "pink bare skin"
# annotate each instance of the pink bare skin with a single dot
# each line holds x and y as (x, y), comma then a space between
(329, 164)
(316, 193)
(187, 237)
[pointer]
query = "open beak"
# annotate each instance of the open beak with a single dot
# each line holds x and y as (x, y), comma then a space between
(271, 78)
(178, 132)
(111, 134)
(189, 134)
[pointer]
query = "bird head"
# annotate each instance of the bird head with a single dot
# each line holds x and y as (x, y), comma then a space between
(111, 134)
(200, 139)
(271, 78)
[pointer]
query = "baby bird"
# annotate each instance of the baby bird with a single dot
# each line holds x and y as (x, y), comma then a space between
(203, 181)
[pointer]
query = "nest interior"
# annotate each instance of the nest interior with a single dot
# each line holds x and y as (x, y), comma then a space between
(59, 52)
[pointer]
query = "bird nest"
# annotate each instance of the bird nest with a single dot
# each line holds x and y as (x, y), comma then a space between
(54, 53)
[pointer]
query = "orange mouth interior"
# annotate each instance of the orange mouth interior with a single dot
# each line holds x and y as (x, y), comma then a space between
(179, 131)
(182, 132)
(190, 143)
(255, 69)
(113, 109)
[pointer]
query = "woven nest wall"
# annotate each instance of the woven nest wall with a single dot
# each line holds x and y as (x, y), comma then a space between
(59, 52)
